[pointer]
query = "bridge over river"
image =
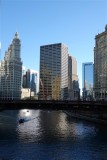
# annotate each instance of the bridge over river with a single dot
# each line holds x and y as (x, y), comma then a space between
(95, 111)
(54, 105)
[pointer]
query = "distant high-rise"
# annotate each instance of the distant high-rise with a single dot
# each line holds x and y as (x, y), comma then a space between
(11, 71)
(34, 81)
(23, 77)
(31, 80)
(73, 84)
(87, 80)
(100, 65)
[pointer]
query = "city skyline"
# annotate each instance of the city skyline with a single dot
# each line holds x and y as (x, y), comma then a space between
(42, 22)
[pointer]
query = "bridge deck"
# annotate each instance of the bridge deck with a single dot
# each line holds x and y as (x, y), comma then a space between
(54, 105)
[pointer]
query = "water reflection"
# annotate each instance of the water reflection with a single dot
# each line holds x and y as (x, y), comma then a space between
(62, 126)
(50, 135)
(29, 131)
(25, 113)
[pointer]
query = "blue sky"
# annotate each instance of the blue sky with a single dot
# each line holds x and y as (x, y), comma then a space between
(40, 22)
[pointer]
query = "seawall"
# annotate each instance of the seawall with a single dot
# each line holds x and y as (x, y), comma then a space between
(88, 117)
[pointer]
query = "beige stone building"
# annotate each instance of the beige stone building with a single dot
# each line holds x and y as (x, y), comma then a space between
(11, 71)
(25, 93)
(73, 81)
(100, 66)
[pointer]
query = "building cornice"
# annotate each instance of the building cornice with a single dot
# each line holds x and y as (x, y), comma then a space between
(101, 34)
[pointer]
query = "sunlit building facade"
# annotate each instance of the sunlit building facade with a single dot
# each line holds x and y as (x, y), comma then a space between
(50, 71)
(87, 80)
(53, 71)
(100, 66)
(64, 72)
(58, 73)
(11, 72)
(73, 84)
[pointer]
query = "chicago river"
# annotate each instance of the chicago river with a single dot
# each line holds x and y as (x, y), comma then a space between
(50, 135)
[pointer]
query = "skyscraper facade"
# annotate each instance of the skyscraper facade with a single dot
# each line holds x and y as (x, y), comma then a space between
(11, 71)
(73, 84)
(87, 80)
(50, 71)
(100, 65)
(53, 71)
(64, 72)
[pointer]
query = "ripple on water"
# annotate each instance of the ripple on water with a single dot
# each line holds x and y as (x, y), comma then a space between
(50, 136)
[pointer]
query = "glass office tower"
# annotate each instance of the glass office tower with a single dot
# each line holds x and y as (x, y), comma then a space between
(87, 80)
(53, 71)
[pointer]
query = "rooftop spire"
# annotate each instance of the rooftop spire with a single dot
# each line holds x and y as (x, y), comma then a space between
(16, 35)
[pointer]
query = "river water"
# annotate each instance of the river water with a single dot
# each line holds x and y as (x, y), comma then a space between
(50, 135)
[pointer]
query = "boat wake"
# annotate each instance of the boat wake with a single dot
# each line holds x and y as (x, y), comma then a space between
(22, 120)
